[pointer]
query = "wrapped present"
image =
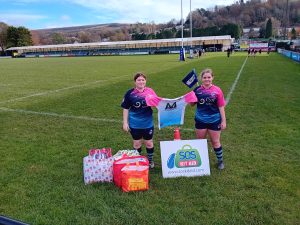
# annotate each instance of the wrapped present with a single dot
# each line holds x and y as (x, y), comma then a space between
(103, 153)
(122, 153)
(122, 162)
(135, 178)
(98, 166)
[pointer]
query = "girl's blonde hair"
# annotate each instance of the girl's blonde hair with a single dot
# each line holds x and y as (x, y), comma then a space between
(207, 70)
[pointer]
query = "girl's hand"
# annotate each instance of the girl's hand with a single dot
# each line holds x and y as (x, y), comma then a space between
(125, 127)
(223, 125)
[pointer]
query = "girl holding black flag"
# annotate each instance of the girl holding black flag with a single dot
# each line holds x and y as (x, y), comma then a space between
(210, 113)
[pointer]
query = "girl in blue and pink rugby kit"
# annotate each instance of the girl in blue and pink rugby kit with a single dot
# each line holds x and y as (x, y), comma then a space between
(210, 113)
(137, 116)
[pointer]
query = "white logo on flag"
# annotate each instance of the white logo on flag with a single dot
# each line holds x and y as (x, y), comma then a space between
(191, 80)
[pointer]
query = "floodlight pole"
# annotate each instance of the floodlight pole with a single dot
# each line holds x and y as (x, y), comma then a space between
(191, 23)
(288, 18)
(191, 31)
(181, 27)
(182, 53)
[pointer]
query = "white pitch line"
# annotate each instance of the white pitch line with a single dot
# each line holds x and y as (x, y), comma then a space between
(65, 116)
(58, 90)
(5, 85)
(235, 82)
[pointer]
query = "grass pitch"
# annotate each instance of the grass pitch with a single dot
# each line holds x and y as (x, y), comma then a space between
(52, 110)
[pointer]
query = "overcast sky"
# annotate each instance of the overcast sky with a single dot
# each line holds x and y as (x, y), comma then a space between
(39, 14)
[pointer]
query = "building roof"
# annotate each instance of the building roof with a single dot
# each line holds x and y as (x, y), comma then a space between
(116, 43)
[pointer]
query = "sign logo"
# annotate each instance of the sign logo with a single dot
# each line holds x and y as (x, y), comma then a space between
(170, 107)
(184, 157)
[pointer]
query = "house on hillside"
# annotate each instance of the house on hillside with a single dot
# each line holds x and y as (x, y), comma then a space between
(282, 31)
(251, 32)
(295, 45)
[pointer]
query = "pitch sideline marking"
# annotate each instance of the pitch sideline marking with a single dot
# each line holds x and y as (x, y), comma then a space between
(235, 82)
(58, 90)
(65, 116)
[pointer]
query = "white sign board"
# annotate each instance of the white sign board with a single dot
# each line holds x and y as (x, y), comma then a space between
(184, 158)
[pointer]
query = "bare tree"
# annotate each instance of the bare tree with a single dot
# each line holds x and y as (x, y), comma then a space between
(3, 36)
(84, 37)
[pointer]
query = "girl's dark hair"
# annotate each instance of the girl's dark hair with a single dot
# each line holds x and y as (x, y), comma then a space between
(137, 75)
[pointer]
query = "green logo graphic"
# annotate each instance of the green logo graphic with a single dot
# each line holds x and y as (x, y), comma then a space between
(187, 157)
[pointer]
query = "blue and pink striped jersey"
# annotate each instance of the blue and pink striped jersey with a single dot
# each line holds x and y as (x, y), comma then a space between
(140, 115)
(208, 103)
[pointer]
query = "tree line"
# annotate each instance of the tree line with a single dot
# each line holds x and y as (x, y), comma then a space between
(269, 16)
(229, 29)
(11, 36)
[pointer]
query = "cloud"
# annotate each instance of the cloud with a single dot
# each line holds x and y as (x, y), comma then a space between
(65, 18)
(147, 10)
(64, 21)
(17, 19)
(58, 25)
(44, 13)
